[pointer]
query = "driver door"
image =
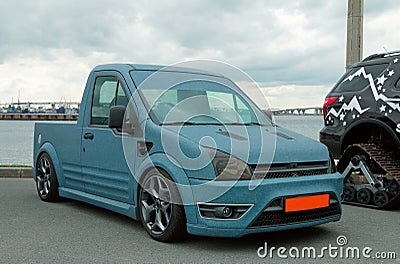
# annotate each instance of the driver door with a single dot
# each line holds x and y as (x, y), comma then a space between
(105, 171)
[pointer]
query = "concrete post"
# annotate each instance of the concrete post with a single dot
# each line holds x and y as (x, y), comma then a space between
(354, 31)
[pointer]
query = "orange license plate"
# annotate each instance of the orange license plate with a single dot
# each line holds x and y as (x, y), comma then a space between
(306, 202)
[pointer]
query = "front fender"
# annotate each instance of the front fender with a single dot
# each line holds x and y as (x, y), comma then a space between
(178, 175)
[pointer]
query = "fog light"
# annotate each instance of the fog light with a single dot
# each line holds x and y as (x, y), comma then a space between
(223, 212)
(227, 212)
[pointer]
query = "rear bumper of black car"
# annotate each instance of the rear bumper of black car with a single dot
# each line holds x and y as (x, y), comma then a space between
(332, 141)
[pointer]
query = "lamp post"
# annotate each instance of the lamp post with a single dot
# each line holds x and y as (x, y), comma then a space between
(354, 31)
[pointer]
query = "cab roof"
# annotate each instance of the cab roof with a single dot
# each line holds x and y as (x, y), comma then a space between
(150, 67)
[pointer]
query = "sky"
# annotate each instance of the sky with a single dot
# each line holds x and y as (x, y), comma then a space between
(294, 50)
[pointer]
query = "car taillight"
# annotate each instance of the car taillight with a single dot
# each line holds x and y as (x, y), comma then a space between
(328, 102)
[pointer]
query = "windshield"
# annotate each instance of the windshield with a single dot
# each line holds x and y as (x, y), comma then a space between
(201, 102)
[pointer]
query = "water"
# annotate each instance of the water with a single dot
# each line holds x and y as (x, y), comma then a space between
(308, 126)
(16, 137)
(16, 142)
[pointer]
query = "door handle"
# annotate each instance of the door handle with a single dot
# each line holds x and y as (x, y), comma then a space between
(88, 135)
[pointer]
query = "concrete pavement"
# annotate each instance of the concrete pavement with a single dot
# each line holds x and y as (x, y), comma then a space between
(32, 231)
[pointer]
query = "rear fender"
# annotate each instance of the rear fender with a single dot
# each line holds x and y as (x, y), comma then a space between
(50, 150)
(389, 127)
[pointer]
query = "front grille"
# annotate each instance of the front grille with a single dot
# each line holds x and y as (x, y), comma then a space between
(274, 171)
(273, 216)
(288, 174)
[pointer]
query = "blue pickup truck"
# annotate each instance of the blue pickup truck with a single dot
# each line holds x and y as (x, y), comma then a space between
(184, 151)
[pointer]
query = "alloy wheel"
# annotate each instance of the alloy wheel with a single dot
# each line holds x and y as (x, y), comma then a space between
(156, 208)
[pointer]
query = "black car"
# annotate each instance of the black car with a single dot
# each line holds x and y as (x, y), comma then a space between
(362, 130)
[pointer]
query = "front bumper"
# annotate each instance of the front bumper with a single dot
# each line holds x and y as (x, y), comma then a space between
(258, 218)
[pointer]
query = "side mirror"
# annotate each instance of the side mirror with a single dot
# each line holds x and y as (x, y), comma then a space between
(116, 116)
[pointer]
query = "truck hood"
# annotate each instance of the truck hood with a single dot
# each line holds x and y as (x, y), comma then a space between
(257, 144)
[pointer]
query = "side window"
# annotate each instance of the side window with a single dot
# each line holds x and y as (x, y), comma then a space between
(358, 84)
(107, 93)
(121, 98)
(397, 86)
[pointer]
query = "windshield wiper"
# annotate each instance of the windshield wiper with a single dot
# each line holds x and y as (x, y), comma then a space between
(179, 123)
(254, 123)
(245, 124)
(188, 123)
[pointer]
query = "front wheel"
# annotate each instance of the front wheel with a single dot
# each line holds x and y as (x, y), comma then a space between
(46, 179)
(163, 219)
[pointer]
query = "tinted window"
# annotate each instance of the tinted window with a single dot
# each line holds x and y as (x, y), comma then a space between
(107, 93)
(398, 84)
(359, 83)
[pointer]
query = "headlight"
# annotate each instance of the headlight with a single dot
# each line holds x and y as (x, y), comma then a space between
(228, 167)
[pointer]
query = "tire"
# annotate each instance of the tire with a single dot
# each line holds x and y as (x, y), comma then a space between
(349, 193)
(46, 179)
(393, 187)
(163, 220)
(364, 196)
(380, 198)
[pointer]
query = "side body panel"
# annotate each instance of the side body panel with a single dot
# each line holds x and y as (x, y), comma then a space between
(62, 142)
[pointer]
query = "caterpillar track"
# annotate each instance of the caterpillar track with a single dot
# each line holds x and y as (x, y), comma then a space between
(371, 176)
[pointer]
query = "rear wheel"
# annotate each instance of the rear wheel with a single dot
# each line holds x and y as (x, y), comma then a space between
(163, 219)
(46, 179)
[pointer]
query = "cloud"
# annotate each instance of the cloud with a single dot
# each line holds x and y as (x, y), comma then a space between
(47, 48)
(290, 96)
(380, 31)
(82, 26)
(47, 79)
